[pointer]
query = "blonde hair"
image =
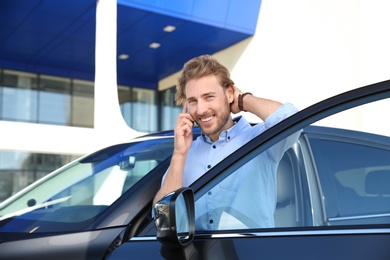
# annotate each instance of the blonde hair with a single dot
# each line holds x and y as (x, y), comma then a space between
(199, 67)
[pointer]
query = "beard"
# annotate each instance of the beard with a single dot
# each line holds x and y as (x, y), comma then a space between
(222, 118)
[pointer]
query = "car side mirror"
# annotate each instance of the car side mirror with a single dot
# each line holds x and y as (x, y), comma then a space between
(174, 217)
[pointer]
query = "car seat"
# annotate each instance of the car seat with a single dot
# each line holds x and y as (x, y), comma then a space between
(285, 212)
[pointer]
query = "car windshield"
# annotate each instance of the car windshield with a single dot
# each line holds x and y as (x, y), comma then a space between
(74, 195)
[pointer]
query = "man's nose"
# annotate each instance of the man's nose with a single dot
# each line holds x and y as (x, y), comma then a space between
(201, 108)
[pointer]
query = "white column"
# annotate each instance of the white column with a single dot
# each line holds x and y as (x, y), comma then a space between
(109, 122)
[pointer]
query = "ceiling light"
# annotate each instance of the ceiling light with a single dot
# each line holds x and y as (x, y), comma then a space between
(169, 28)
(123, 56)
(154, 45)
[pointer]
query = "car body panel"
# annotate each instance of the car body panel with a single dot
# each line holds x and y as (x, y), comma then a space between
(82, 245)
(273, 245)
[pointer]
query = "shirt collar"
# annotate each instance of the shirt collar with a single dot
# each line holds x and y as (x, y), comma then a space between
(229, 134)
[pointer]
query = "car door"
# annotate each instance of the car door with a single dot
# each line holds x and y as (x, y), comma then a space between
(329, 198)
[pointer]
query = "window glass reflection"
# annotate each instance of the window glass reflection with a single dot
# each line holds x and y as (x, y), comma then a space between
(19, 169)
(355, 169)
(182, 218)
(59, 101)
(54, 100)
(19, 96)
(139, 108)
(65, 101)
(169, 110)
(83, 103)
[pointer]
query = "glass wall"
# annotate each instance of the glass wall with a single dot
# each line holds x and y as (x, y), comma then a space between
(54, 100)
(169, 109)
(27, 97)
(19, 169)
(148, 110)
(139, 108)
(83, 103)
(19, 96)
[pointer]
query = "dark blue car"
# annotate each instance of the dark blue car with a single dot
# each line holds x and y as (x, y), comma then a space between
(333, 196)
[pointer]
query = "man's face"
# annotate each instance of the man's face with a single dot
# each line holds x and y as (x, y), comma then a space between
(209, 105)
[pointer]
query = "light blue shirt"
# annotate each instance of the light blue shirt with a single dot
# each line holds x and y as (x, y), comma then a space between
(249, 194)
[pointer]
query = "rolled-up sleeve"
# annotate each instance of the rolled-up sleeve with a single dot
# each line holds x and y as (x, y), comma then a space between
(280, 114)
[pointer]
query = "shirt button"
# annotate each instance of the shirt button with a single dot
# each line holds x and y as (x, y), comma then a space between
(208, 166)
(209, 193)
(211, 221)
(214, 146)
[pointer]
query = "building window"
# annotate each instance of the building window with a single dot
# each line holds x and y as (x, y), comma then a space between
(139, 108)
(19, 96)
(54, 100)
(82, 103)
(19, 169)
(168, 109)
(33, 98)
(27, 97)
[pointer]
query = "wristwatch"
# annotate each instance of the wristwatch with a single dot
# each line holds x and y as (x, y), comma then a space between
(241, 101)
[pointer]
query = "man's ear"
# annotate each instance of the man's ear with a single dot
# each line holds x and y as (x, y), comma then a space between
(230, 93)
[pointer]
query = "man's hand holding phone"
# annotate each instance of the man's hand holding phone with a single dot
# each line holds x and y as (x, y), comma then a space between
(183, 131)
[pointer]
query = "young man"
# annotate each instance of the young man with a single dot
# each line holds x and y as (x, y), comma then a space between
(209, 97)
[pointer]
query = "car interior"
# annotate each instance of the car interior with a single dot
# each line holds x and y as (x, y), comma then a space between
(287, 212)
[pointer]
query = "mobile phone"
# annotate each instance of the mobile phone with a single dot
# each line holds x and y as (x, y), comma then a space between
(188, 111)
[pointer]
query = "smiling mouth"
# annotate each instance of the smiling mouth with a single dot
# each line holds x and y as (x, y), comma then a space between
(206, 119)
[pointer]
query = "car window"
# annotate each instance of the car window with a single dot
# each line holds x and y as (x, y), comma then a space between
(262, 193)
(355, 179)
(75, 194)
(336, 173)
(353, 167)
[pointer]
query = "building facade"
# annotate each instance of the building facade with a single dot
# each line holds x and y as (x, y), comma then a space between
(78, 76)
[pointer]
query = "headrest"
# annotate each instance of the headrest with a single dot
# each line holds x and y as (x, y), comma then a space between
(378, 182)
(285, 184)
